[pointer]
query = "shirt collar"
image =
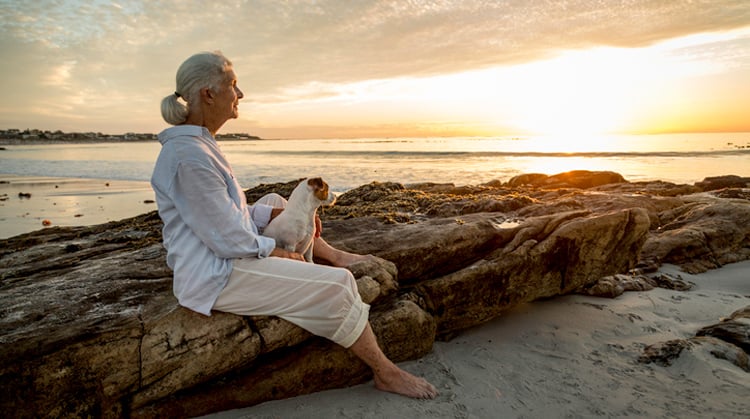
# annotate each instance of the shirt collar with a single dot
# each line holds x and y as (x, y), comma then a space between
(184, 130)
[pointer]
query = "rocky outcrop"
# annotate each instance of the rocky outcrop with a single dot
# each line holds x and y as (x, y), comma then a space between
(705, 232)
(728, 340)
(90, 327)
(582, 179)
(723, 182)
(612, 286)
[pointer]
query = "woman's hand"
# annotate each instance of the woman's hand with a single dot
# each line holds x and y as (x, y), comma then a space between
(281, 253)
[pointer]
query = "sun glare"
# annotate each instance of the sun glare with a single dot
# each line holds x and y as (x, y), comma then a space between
(576, 97)
(580, 93)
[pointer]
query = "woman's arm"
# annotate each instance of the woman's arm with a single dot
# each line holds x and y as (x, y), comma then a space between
(201, 198)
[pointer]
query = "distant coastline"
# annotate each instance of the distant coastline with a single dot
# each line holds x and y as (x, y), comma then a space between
(36, 136)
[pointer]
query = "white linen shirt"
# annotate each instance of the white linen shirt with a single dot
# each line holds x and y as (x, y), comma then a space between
(207, 221)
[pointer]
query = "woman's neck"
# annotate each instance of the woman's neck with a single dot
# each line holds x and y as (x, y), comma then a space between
(199, 120)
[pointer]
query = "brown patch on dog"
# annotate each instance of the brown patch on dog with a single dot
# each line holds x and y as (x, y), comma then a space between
(320, 188)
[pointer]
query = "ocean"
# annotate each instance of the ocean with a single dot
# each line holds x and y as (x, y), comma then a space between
(43, 185)
(348, 163)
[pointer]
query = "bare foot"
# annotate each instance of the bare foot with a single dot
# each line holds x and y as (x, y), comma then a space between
(345, 259)
(401, 382)
(336, 257)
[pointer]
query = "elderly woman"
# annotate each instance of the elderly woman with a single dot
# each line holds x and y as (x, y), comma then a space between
(221, 261)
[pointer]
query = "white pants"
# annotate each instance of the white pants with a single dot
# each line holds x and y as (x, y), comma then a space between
(320, 299)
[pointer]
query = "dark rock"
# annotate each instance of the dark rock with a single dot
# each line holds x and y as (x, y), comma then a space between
(743, 313)
(721, 182)
(664, 353)
(728, 340)
(670, 282)
(721, 349)
(705, 233)
(735, 329)
(544, 257)
(421, 251)
(614, 285)
(582, 179)
(653, 188)
(528, 179)
(645, 266)
(733, 193)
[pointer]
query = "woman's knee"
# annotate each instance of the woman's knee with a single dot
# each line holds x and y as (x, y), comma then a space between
(345, 280)
(273, 199)
(346, 276)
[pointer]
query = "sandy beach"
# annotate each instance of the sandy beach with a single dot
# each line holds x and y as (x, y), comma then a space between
(26, 202)
(573, 356)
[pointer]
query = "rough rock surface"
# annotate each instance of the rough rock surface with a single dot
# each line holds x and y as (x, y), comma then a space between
(614, 285)
(728, 339)
(90, 326)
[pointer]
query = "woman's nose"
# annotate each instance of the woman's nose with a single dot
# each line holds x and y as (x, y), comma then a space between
(240, 95)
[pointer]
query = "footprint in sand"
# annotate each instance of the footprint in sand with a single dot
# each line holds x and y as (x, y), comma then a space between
(679, 298)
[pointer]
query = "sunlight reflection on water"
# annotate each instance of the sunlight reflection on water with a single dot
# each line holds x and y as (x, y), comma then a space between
(679, 158)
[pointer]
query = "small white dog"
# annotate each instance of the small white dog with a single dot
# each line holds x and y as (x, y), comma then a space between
(294, 228)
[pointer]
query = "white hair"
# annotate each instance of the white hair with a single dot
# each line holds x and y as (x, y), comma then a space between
(205, 69)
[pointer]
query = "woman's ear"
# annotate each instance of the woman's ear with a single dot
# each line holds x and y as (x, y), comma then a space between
(207, 95)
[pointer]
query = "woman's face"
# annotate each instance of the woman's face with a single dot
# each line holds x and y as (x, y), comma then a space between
(228, 96)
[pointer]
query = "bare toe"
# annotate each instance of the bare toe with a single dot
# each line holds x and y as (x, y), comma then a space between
(405, 384)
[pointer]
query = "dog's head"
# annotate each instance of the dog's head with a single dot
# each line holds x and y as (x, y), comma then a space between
(320, 190)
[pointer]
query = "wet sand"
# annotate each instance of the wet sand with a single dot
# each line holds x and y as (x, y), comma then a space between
(31, 203)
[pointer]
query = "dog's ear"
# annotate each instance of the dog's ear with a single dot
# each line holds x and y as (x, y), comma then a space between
(315, 183)
(320, 188)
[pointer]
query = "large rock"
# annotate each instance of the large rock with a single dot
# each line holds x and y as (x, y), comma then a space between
(728, 340)
(705, 233)
(721, 182)
(546, 256)
(90, 327)
(404, 331)
(735, 329)
(575, 179)
(472, 268)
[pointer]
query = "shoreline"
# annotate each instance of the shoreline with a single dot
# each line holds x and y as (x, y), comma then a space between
(30, 203)
(570, 356)
(22, 142)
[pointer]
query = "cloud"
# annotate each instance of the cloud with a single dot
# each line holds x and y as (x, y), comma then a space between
(98, 57)
(59, 75)
(351, 41)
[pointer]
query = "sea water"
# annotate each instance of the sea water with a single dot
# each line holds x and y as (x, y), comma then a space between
(348, 163)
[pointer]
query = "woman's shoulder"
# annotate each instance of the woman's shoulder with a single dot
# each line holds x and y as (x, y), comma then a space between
(189, 147)
(185, 132)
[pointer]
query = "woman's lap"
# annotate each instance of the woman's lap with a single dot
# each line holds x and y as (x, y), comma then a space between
(319, 298)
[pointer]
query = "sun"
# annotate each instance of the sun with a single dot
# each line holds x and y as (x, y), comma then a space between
(584, 93)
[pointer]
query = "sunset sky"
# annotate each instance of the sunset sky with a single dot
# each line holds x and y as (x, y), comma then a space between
(342, 69)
